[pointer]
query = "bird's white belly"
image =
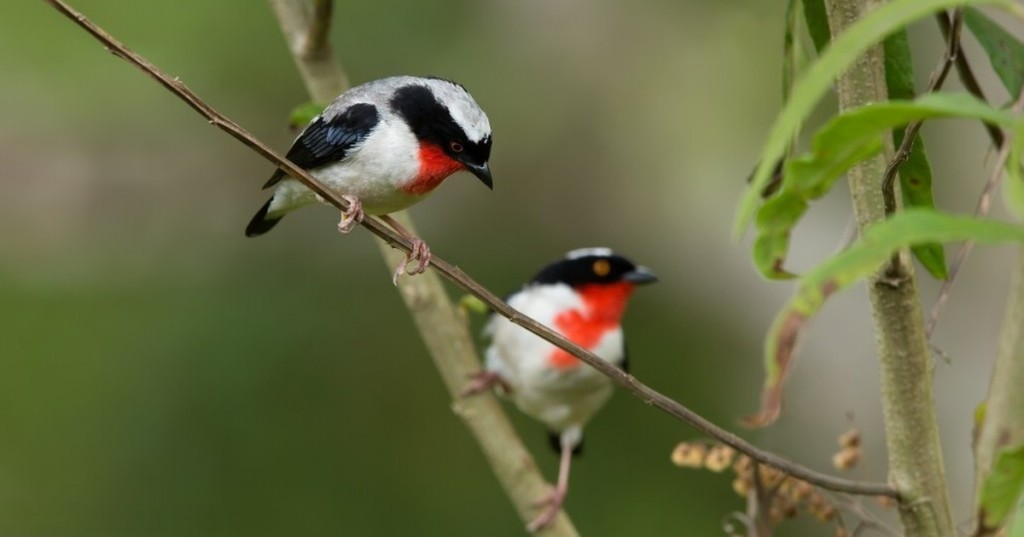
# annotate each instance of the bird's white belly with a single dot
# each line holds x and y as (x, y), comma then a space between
(560, 398)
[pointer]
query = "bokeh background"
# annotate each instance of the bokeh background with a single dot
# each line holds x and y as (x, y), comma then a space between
(160, 374)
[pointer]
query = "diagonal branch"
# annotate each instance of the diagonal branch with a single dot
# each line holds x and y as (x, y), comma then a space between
(460, 278)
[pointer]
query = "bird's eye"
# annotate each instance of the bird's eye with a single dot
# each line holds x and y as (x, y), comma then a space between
(601, 268)
(456, 147)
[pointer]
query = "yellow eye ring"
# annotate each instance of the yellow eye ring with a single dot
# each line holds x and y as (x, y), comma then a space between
(601, 267)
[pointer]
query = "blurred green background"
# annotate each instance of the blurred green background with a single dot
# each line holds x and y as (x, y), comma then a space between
(160, 374)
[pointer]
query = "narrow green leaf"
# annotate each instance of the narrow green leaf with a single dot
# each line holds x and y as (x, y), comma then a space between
(916, 172)
(817, 23)
(843, 142)
(301, 115)
(817, 80)
(1005, 52)
(1003, 487)
(862, 259)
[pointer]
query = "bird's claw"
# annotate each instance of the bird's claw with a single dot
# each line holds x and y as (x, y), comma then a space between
(351, 217)
(482, 381)
(552, 504)
(420, 252)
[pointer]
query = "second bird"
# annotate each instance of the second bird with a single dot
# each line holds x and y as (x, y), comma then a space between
(582, 297)
(384, 145)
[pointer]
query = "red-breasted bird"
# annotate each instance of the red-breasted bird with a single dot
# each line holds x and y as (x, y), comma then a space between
(384, 145)
(581, 296)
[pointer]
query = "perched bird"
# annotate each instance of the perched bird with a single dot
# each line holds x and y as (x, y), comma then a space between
(384, 145)
(582, 297)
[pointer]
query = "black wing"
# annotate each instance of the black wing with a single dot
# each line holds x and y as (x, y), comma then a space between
(327, 141)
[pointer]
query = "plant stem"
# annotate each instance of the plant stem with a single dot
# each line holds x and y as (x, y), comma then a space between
(912, 436)
(1003, 424)
(444, 332)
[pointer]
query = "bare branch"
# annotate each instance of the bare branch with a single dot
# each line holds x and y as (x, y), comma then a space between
(460, 278)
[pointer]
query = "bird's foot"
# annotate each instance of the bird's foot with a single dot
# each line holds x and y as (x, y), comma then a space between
(420, 253)
(351, 217)
(481, 381)
(552, 504)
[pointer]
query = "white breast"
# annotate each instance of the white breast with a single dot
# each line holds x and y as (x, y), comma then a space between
(559, 398)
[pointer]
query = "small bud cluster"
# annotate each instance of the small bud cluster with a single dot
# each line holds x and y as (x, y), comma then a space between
(789, 496)
(849, 453)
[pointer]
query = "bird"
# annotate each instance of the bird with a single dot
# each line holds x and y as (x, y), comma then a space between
(383, 146)
(582, 296)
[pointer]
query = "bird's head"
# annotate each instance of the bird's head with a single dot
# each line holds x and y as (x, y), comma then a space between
(603, 279)
(453, 131)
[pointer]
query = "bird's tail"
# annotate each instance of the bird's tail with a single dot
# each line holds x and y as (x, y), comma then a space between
(262, 223)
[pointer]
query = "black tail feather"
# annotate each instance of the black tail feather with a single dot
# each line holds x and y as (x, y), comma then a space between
(260, 224)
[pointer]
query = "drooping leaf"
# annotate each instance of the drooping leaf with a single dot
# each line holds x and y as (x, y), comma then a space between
(1002, 488)
(301, 115)
(1005, 52)
(915, 173)
(861, 260)
(846, 140)
(817, 23)
(817, 80)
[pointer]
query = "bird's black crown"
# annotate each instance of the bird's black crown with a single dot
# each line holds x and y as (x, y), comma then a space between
(593, 265)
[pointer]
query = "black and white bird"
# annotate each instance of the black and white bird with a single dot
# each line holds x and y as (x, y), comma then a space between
(583, 297)
(384, 145)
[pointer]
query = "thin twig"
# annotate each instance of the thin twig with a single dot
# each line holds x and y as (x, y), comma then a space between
(906, 146)
(967, 78)
(984, 200)
(460, 278)
(984, 203)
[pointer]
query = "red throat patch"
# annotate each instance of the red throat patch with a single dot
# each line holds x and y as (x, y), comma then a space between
(435, 166)
(603, 306)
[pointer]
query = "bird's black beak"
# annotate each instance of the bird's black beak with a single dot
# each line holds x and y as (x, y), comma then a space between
(482, 172)
(640, 276)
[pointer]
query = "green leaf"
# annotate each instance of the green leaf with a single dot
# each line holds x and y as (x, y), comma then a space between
(862, 259)
(817, 80)
(301, 115)
(843, 142)
(1003, 487)
(1005, 52)
(916, 172)
(817, 23)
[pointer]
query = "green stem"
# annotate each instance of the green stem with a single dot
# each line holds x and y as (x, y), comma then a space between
(1003, 423)
(912, 435)
(444, 331)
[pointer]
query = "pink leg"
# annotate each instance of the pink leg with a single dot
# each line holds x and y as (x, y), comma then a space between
(353, 216)
(420, 251)
(483, 381)
(553, 501)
